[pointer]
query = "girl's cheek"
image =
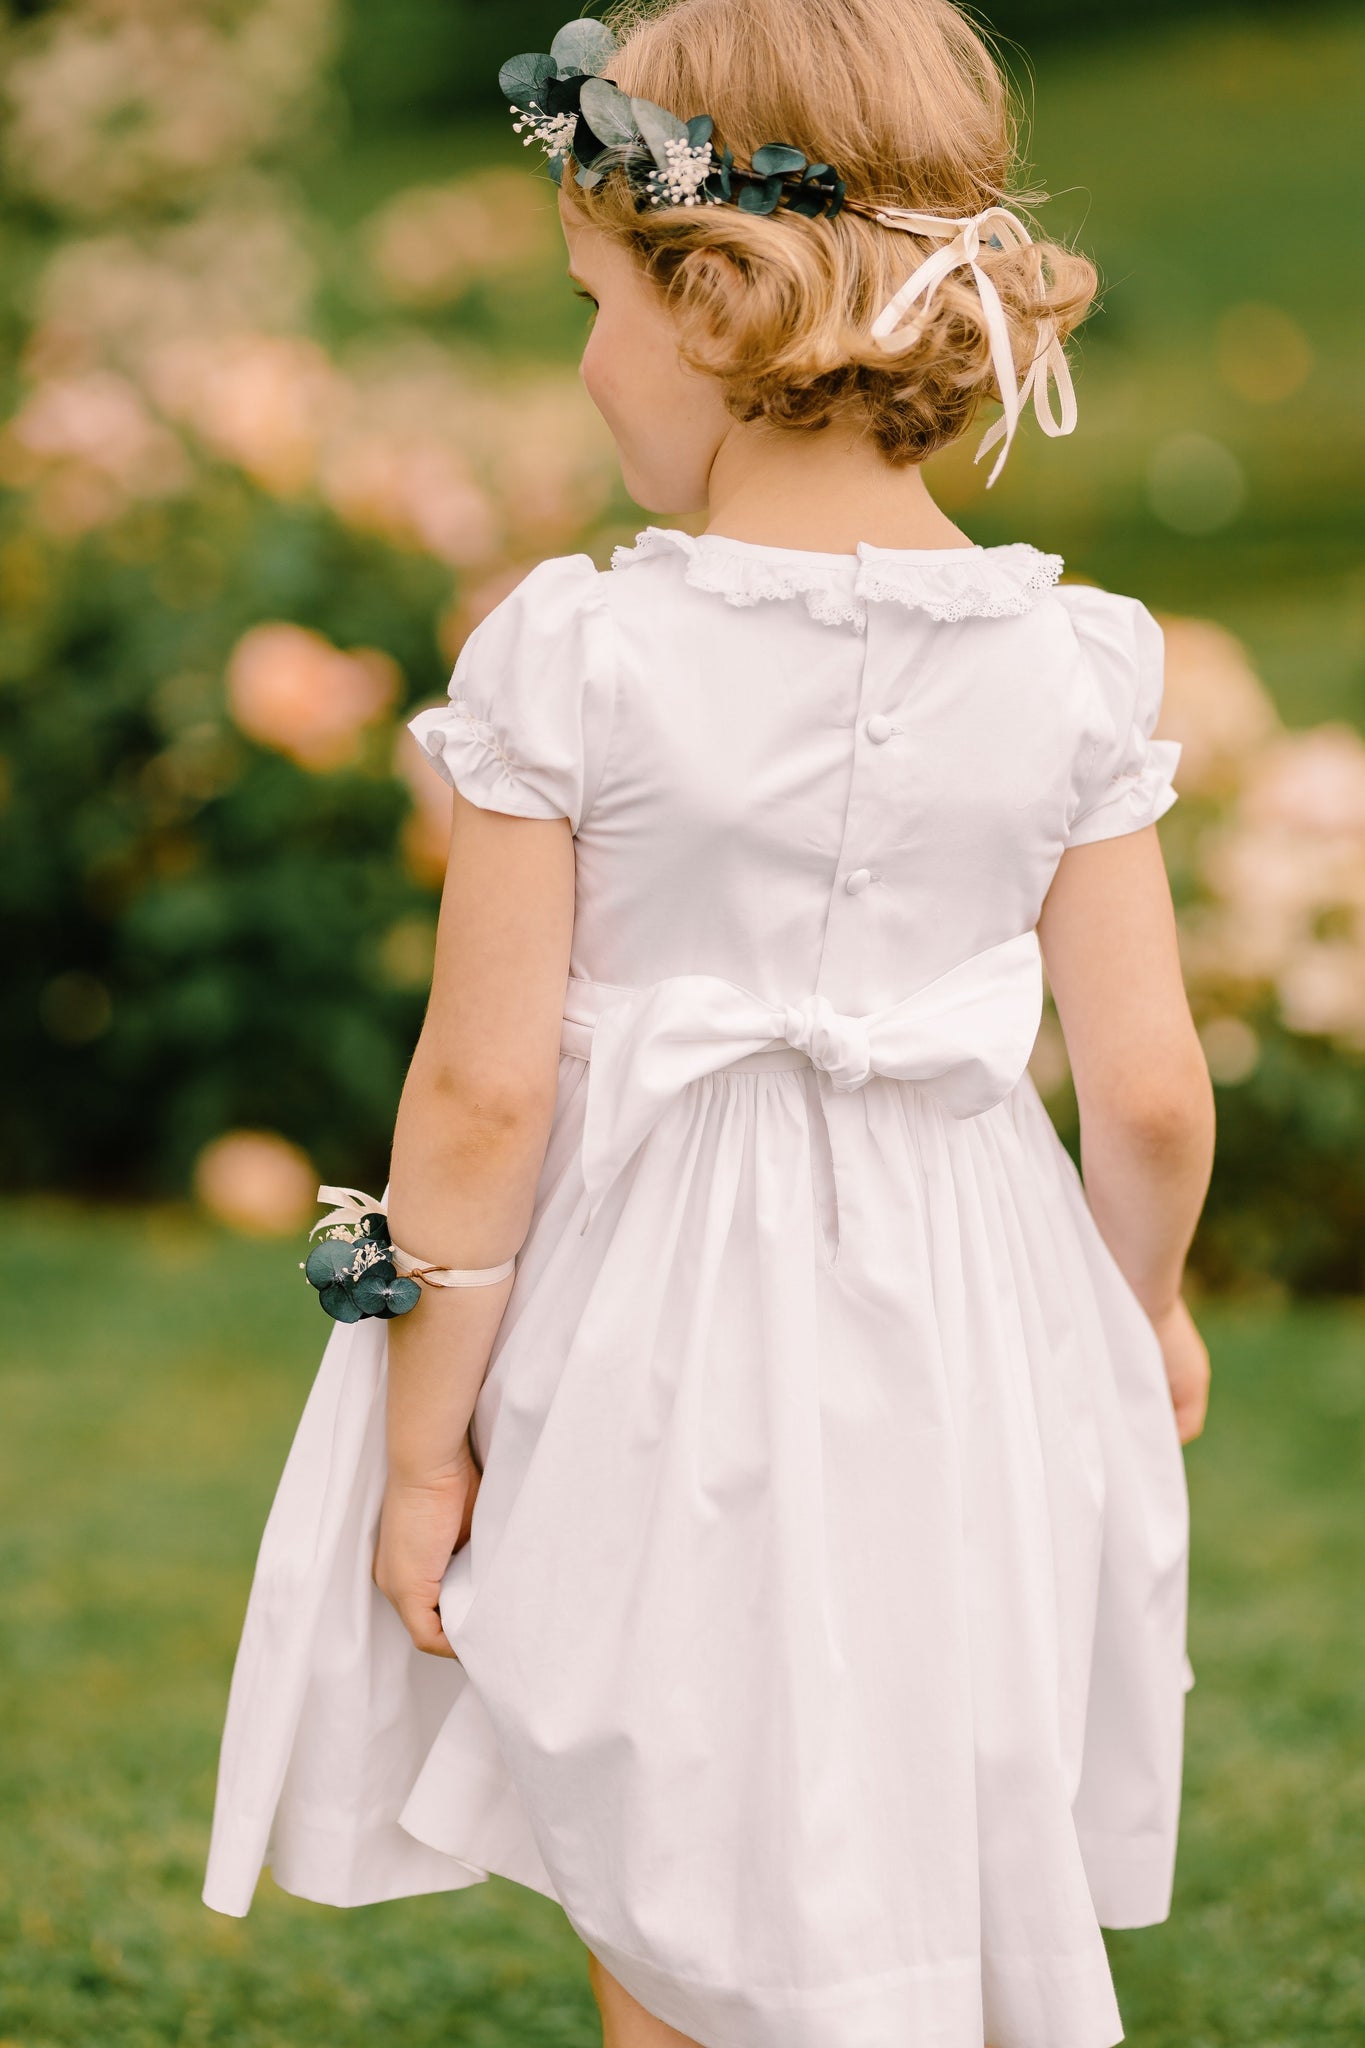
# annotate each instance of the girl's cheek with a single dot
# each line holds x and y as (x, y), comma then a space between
(593, 371)
(602, 381)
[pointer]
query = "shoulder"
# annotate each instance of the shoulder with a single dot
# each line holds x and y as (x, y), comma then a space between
(1110, 630)
(528, 716)
(560, 594)
(1123, 774)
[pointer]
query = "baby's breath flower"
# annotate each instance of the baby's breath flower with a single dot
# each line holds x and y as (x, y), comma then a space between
(680, 181)
(554, 132)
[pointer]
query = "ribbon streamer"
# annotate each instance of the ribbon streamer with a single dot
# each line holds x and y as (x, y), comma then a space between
(1004, 229)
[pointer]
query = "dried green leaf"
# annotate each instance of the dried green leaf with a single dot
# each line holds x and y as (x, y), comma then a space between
(582, 46)
(523, 78)
(777, 159)
(607, 111)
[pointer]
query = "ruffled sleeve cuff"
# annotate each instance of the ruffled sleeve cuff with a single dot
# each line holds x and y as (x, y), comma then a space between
(1127, 778)
(525, 726)
(1137, 797)
(467, 752)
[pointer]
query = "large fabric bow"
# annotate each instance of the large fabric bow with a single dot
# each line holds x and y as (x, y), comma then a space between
(1006, 230)
(966, 1036)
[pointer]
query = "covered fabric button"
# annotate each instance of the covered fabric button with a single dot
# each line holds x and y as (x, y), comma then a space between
(859, 879)
(879, 728)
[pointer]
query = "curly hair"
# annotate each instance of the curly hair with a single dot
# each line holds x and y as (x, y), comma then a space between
(905, 99)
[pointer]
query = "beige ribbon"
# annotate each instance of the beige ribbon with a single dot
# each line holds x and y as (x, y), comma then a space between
(964, 248)
(352, 1204)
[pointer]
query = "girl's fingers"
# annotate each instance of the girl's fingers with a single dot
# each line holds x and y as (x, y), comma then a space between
(423, 1624)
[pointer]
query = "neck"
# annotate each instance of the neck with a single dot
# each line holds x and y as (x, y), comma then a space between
(821, 490)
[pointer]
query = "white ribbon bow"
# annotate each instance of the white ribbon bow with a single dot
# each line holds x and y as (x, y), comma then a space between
(1009, 232)
(967, 1036)
(351, 1205)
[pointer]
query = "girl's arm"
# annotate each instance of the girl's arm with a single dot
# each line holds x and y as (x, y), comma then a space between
(1108, 936)
(468, 1147)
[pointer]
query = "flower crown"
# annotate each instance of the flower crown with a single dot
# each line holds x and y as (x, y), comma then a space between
(562, 102)
(565, 104)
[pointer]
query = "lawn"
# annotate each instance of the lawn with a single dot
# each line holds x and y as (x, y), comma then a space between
(152, 1378)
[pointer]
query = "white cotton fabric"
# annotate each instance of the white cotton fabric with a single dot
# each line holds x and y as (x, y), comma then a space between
(822, 1626)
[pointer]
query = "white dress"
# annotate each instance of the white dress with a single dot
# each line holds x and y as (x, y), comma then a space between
(822, 1626)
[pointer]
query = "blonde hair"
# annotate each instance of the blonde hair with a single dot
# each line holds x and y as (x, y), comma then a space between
(905, 99)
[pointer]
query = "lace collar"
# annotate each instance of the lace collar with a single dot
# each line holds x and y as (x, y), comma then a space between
(946, 583)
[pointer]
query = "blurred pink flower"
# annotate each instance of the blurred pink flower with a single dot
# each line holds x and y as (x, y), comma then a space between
(1285, 872)
(415, 493)
(1322, 990)
(119, 102)
(292, 690)
(428, 244)
(265, 401)
(241, 266)
(257, 1182)
(1214, 704)
(90, 446)
(1311, 782)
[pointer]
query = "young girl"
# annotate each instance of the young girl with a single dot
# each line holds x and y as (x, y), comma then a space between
(775, 1500)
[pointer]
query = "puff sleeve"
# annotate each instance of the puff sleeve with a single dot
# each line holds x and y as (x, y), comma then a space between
(1124, 778)
(526, 726)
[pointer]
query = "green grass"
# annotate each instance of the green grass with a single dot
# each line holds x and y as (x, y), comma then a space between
(154, 1370)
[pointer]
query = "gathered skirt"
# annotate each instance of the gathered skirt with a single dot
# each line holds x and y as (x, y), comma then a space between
(822, 1629)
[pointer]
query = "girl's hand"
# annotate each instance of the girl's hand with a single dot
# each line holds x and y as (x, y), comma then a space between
(422, 1524)
(1187, 1367)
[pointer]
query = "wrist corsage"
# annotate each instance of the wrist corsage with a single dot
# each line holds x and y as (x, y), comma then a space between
(359, 1271)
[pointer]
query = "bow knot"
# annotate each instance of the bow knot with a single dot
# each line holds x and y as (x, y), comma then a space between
(837, 1044)
(966, 1036)
(962, 248)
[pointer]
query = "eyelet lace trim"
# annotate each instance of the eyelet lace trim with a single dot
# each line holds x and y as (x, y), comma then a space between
(988, 583)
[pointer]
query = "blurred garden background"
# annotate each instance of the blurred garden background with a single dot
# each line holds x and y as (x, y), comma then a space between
(288, 400)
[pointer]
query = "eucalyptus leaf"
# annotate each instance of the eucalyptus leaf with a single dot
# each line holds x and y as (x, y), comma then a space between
(555, 166)
(588, 177)
(777, 159)
(760, 198)
(657, 127)
(403, 1295)
(327, 1260)
(337, 1301)
(700, 129)
(371, 1291)
(815, 172)
(607, 111)
(522, 78)
(375, 1224)
(582, 46)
